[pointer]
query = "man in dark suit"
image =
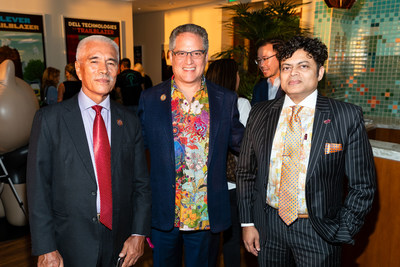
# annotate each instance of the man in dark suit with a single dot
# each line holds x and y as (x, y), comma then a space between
(88, 208)
(268, 88)
(292, 202)
(188, 125)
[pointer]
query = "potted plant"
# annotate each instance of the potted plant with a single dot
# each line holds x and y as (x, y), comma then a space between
(252, 23)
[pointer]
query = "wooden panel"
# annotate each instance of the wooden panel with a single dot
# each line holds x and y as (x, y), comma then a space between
(378, 242)
(383, 134)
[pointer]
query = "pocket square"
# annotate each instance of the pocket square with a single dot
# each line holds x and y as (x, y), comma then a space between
(332, 148)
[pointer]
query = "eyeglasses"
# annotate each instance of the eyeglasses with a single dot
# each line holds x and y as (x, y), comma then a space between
(260, 61)
(196, 54)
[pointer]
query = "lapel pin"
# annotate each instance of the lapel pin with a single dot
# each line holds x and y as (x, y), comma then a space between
(163, 97)
(327, 121)
(119, 122)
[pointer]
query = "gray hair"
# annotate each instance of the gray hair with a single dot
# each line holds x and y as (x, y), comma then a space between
(192, 28)
(95, 38)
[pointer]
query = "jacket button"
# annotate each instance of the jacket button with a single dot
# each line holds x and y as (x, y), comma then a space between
(93, 193)
(173, 186)
(94, 219)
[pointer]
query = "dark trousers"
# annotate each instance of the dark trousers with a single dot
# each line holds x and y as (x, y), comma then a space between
(231, 239)
(105, 256)
(295, 245)
(169, 247)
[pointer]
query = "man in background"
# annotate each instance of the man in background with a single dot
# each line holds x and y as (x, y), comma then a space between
(298, 155)
(129, 85)
(268, 88)
(88, 188)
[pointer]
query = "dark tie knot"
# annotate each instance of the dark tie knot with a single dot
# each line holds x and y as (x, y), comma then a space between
(97, 108)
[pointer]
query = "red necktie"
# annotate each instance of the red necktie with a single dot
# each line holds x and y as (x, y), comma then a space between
(288, 192)
(102, 156)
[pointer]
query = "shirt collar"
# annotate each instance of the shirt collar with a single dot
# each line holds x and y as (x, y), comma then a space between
(86, 103)
(277, 82)
(174, 86)
(310, 101)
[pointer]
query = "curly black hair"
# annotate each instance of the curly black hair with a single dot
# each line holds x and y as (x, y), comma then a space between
(313, 46)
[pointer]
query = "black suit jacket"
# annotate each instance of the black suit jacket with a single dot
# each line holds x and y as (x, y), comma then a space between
(335, 215)
(225, 131)
(62, 185)
(261, 91)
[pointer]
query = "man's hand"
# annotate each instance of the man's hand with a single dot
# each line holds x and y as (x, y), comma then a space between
(133, 249)
(251, 239)
(51, 259)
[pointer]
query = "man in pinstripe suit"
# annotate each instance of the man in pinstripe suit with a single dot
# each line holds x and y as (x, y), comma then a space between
(334, 145)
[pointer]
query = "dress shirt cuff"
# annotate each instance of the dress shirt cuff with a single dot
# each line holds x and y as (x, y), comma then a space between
(246, 224)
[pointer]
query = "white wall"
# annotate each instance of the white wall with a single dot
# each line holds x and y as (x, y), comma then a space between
(152, 30)
(53, 10)
(148, 30)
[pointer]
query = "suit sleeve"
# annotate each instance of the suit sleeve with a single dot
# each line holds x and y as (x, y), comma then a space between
(246, 174)
(360, 171)
(39, 174)
(142, 192)
(237, 129)
(141, 115)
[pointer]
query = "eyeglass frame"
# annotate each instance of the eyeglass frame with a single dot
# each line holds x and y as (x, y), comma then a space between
(263, 59)
(189, 52)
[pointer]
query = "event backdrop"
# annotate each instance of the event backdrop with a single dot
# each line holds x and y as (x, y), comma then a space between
(77, 29)
(24, 32)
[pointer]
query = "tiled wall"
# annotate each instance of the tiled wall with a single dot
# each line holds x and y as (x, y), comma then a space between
(364, 55)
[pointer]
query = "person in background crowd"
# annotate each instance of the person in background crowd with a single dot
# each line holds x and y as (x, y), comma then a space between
(50, 80)
(269, 87)
(146, 78)
(88, 190)
(188, 125)
(129, 85)
(71, 86)
(225, 72)
(11, 53)
(298, 153)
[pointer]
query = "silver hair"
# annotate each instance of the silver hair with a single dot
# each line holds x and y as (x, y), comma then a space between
(95, 38)
(192, 28)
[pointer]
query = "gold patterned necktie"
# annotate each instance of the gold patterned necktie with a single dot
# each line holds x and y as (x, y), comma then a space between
(288, 192)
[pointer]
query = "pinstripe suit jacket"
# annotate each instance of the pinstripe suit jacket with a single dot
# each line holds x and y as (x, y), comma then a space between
(335, 215)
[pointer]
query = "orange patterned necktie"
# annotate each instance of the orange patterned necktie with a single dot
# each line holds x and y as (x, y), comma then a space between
(102, 157)
(288, 192)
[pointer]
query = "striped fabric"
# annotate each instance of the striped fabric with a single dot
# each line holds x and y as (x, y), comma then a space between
(334, 217)
(297, 245)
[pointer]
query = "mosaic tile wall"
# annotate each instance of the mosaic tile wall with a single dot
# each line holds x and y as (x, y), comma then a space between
(364, 55)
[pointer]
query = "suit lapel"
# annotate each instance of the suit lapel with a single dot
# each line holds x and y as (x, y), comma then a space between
(117, 128)
(76, 130)
(163, 104)
(279, 93)
(215, 99)
(321, 128)
(270, 124)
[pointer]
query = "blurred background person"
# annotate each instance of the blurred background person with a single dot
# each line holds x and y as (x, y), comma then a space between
(225, 72)
(71, 86)
(11, 53)
(146, 78)
(50, 80)
(166, 70)
(129, 85)
(269, 87)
